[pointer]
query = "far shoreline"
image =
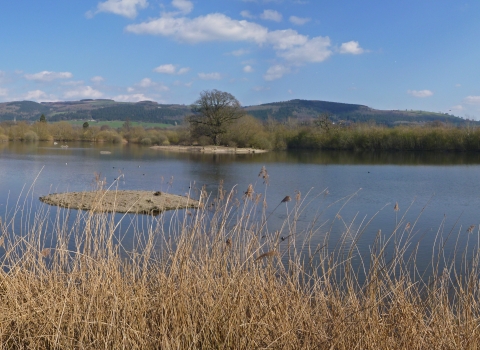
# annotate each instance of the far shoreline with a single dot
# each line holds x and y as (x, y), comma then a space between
(209, 149)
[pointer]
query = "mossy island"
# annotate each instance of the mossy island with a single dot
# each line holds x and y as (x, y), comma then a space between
(135, 202)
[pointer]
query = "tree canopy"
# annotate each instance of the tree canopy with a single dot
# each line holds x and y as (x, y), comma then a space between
(213, 112)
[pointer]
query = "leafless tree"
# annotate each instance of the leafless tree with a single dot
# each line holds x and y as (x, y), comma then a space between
(213, 112)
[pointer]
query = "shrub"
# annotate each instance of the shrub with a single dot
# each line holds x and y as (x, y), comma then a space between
(146, 141)
(30, 136)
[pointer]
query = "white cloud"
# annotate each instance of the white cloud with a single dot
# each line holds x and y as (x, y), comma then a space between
(48, 76)
(3, 92)
(132, 98)
(37, 95)
(420, 93)
(299, 21)
(146, 82)
(351, 47)
(248, 69)
(276, 72)
(126, 8)
(313, 50)
(271, 15)
(246, 14)
(171, 69)
(184, 6)
(210, 76)
(183, 70)
(166, 69)
(83, 92)
(472, 100)
(458, 108)
(211, 27)
(458, 85)
(295, 48)
(97, 79)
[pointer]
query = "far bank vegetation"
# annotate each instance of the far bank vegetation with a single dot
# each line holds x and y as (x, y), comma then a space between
(218, 119)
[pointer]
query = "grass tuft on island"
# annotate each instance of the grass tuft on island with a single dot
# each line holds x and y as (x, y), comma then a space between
(136, 202)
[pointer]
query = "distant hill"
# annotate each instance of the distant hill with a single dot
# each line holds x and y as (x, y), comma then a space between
(99, 110)
(306, 109)
(148, 111)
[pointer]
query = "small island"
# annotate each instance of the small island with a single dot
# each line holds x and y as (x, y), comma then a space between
(209, 149)
(135, 202)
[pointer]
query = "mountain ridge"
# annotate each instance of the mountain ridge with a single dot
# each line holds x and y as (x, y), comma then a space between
(150, 111)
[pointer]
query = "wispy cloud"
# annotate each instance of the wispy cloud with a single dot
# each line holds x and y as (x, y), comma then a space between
(261, 88)
(38, 95)
(97, 79)
(248, 69)
(83, 92)
(210, 76)
(125, 8)
(239, 52)
(45, 76)
(146, 83)
(246, 14)
(171, 69)
(132, 98)
(472, 100)
(420, 93)
(276, 72)
(299, 21)
(184, 6)
(271, 15)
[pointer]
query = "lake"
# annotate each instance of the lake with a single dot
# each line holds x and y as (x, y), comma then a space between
(346, 189)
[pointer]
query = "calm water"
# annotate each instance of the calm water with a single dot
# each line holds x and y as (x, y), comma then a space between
(446, 186)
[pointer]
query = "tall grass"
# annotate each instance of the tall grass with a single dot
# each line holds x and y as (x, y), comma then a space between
(400, 138)
(218, 278)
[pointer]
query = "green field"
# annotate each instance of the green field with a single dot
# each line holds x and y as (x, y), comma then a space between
(119, 123)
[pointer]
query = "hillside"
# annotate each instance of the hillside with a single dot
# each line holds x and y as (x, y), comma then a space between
(305, 110)
(103, 109)
(148, 111)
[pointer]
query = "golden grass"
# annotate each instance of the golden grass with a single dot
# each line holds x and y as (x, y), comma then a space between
(218, 278)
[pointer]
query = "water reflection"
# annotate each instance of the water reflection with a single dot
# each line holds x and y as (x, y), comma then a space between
(445, 183)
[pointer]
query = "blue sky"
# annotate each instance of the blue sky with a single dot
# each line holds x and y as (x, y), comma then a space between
(408, 54)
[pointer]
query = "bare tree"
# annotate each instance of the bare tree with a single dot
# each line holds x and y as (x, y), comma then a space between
(213, 112)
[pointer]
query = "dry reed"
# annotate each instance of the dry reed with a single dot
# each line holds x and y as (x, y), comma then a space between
(219, 279)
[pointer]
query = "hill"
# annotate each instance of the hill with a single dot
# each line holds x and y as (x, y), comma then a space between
(306, 109)
(100, 110)
(148, 111)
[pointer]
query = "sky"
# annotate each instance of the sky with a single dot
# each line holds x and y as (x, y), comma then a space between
(395, 54)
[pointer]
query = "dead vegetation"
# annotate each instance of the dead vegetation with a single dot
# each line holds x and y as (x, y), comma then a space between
(216, 277)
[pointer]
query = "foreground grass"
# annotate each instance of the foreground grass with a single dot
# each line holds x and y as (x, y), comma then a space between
(218, 278)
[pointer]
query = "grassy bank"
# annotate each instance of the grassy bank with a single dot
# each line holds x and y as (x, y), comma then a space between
(218, 278)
